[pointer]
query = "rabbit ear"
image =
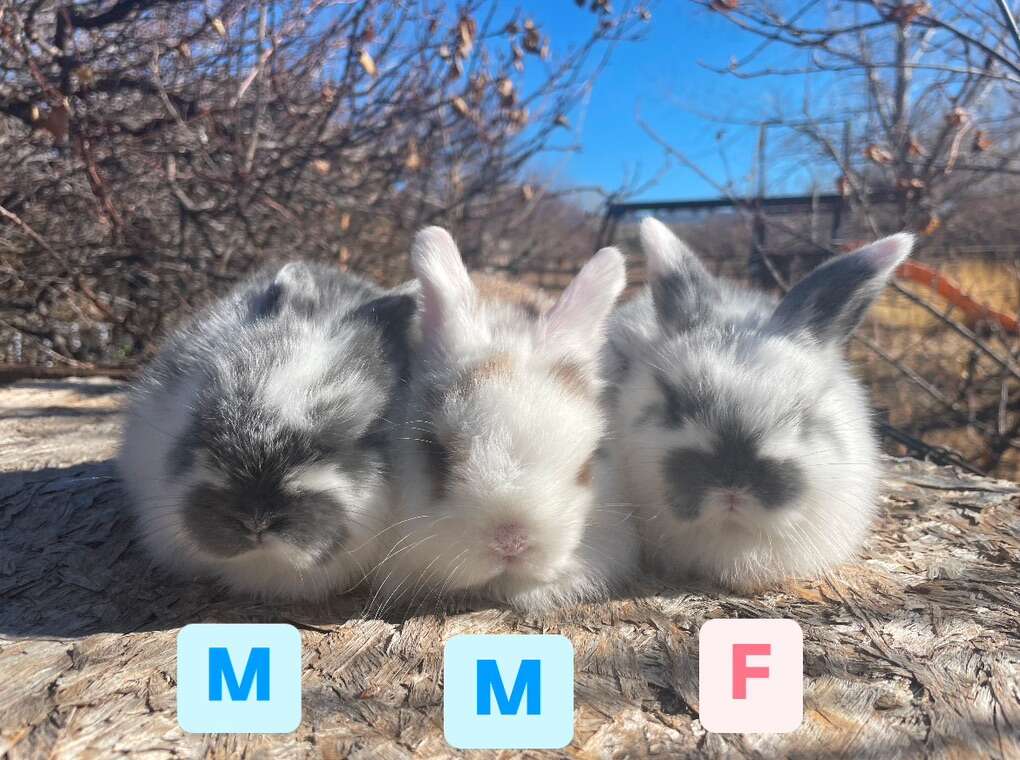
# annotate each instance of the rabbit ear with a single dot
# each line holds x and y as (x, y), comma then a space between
(391, 314)
(831, 301)
(682, 289)
(447, 294)
(293, 289)
(576, 322)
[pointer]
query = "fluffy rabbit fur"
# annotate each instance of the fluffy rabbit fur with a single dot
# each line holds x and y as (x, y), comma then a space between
(737, 424)
(500, 490)
(256, 445)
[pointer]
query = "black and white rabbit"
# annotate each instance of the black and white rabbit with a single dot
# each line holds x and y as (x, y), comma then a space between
(737, 424)
(255, 449)
(501, 494)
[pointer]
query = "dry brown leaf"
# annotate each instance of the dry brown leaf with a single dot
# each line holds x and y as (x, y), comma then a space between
(505, 87)
(413, 160)
(644, 14)
(906, 13)
(915, 148)
(878, 155)
(843, 185)
(461, 106)
(932, 225)
(478, 82)
(724, 5)
(345, 221)
(456, 70)
(527, 192)
(982, 141)
(321, 166)
(910, 183)
(184, 50)
(85, 75)
(958, 117)
(532, 41)
(365, 59)
(466, 29)
(444, 51)
(518, 57)
(220, 27)
(55, 121)
(562, 121)
(519, 117)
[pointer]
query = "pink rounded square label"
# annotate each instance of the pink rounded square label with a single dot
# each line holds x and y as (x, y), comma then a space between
(751, 676)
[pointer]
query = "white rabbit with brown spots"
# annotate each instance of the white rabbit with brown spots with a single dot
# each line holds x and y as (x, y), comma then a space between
(501, 494)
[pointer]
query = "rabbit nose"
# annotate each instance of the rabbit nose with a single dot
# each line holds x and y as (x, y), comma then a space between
(510, 540)
(258, 525)
(734, 500)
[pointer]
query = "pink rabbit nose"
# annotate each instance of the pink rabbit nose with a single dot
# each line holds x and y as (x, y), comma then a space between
(734, 501)
(510, 541)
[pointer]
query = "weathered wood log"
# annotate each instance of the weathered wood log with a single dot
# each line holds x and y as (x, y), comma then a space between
(914, 650)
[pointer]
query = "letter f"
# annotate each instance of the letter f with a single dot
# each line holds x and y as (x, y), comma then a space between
(742, 671)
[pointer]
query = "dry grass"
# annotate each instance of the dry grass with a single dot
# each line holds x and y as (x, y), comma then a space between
(984, 395)
(994, 284)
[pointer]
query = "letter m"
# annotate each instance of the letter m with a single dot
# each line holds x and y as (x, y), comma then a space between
(489, 682)
(256, 670)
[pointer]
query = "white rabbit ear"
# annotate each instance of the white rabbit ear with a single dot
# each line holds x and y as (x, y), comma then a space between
(831, 301)
(682, 289)
(447, 294)
(577, 320)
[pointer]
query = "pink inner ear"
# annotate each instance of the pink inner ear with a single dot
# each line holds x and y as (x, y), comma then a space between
(888, 252)
(660, 245)
(445, 284)
(431, 310)
(579, 314)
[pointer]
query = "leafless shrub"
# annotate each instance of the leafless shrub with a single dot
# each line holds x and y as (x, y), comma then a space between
(151, 151)
(918, 130)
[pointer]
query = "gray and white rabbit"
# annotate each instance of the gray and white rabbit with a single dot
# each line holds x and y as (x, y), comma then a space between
(737, 424)
(501, 494)
(255, 449)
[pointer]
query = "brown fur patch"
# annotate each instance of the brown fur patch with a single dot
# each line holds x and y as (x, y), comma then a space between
(573, 378)
(584, 475)
(494, 366)
(533, 302)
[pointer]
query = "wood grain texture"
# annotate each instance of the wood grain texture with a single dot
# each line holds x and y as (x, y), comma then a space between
(913, 651)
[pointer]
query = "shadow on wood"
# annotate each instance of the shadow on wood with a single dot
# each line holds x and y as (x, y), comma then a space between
(912, 650)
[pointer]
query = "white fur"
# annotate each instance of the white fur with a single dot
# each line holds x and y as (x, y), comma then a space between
(284, 360)
(750, 547)
(521, 436)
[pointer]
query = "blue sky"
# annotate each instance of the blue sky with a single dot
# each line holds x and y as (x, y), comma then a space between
(660, 78)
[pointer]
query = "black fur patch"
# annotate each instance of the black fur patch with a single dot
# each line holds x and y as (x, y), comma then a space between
(228, 521)
(734, 463)
(830, 302)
